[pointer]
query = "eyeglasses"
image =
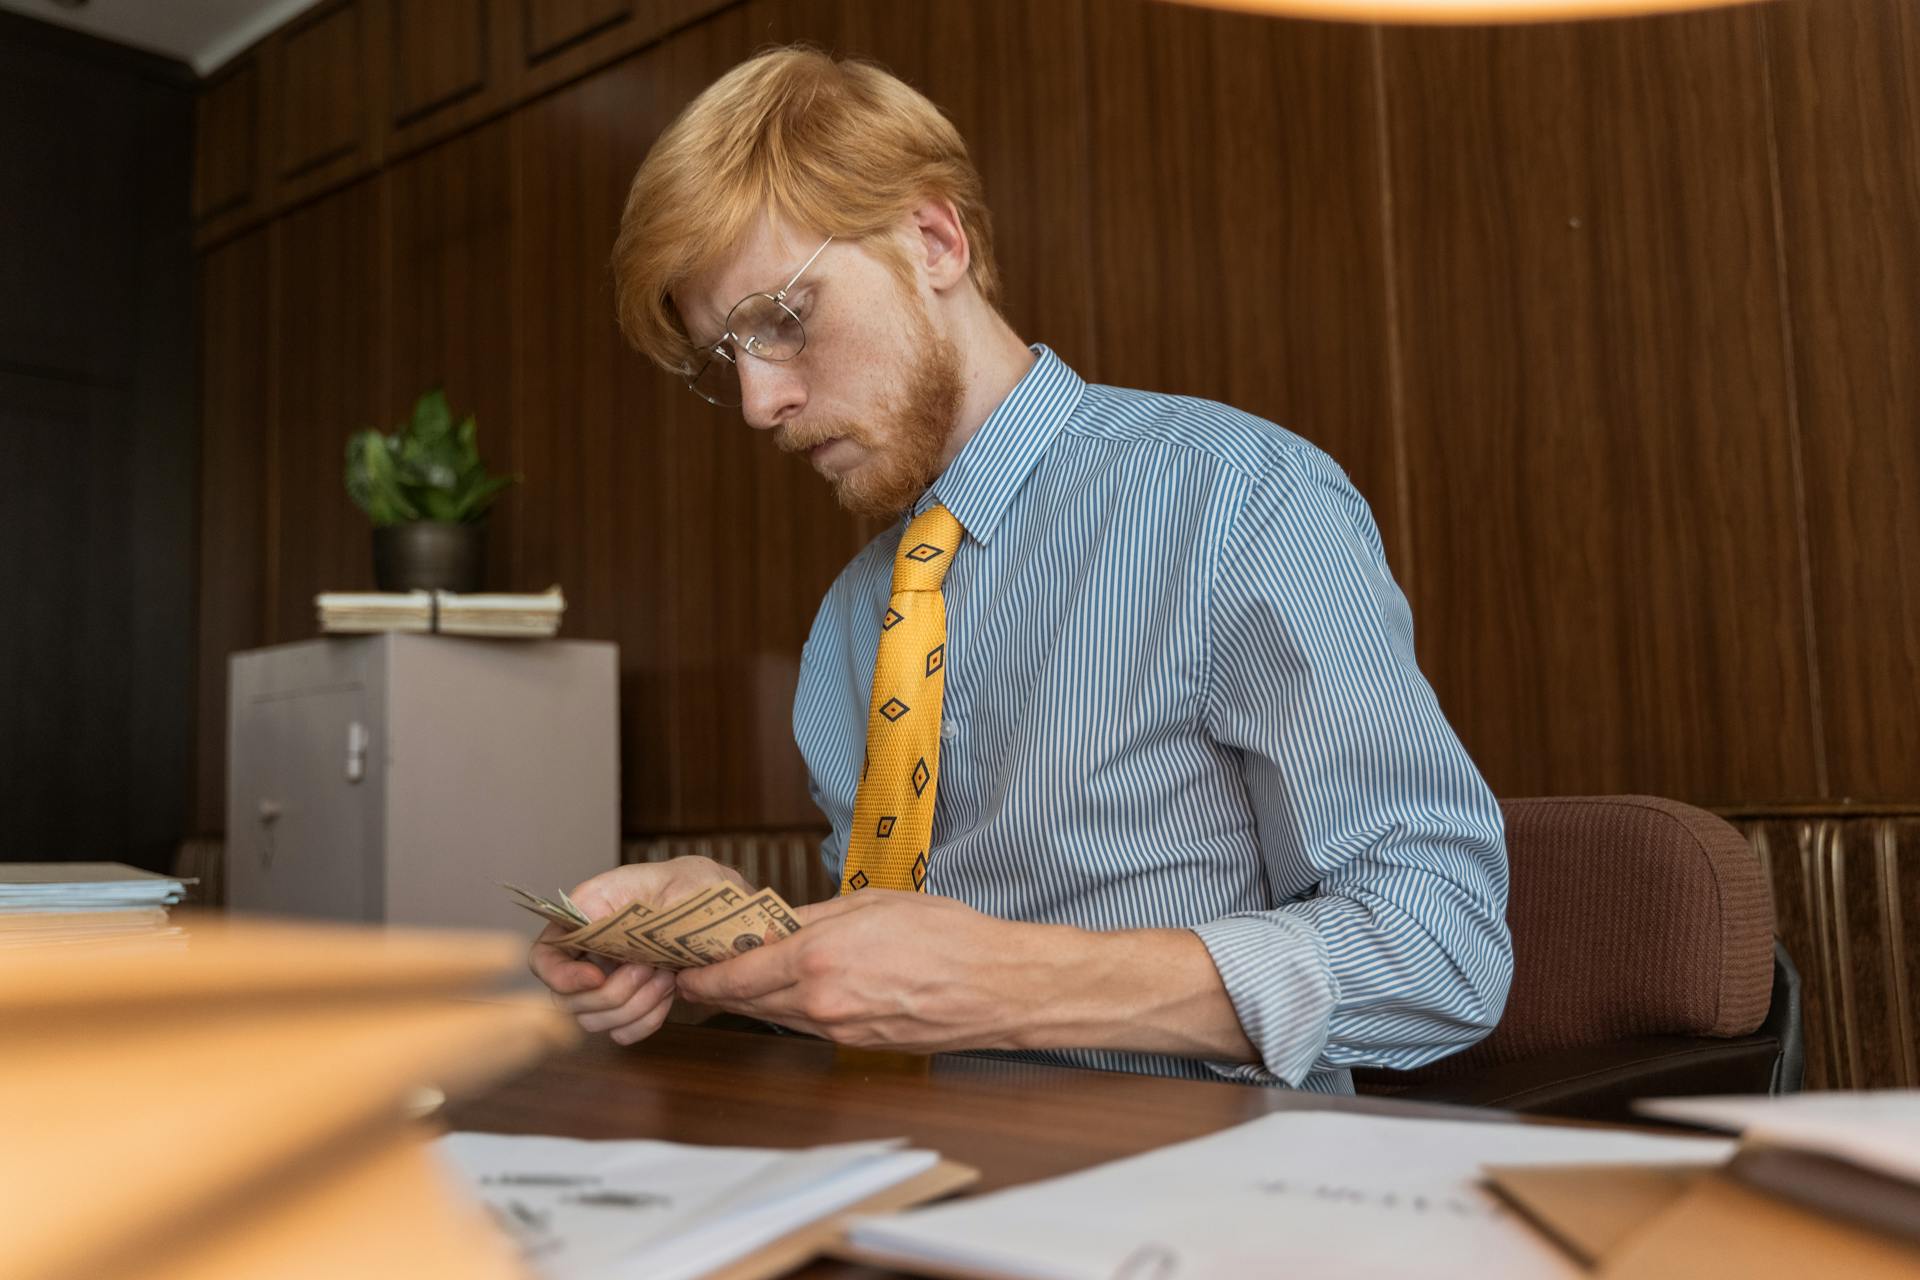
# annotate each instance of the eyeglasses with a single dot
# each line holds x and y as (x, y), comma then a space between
(760, 324)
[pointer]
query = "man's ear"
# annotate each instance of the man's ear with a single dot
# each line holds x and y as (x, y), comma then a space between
(941, 243)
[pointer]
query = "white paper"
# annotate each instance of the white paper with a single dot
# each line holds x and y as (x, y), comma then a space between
(1877, 1129)
(1319, 1194)
(584, 1210)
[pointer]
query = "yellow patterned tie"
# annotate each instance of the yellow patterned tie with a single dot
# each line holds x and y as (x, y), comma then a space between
(893, 810)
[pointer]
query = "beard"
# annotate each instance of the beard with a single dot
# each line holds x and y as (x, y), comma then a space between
(903, 449)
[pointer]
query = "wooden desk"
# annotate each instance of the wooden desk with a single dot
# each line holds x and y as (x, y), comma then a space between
(1013, 1121)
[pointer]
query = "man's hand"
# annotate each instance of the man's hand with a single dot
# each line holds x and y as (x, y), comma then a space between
(884, 968)
(632, 1001)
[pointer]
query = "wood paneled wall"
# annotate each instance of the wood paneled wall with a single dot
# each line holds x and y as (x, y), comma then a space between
(1614, 324)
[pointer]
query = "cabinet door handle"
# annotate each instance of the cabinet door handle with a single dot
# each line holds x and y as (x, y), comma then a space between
(357, 738)
(269, 814)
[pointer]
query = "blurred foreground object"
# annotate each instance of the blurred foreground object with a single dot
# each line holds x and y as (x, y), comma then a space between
(239, 1108)
(1459, 12)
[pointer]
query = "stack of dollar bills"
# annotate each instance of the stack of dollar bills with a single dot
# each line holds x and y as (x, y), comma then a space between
(721, 920)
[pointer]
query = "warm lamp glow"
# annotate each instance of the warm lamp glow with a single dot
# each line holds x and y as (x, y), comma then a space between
(1459, 12)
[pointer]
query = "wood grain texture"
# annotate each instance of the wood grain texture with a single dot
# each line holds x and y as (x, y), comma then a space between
(1846, 894)
(236, 371)
(1597, 406)
(1846, 78)
(1014, 1121)
(1238, 256)
(561, 42)
(449, 64)
(439, 55)
(325, 101)
(330, 334)
(553, 25)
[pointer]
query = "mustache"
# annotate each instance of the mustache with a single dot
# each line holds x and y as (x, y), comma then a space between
(792, 439)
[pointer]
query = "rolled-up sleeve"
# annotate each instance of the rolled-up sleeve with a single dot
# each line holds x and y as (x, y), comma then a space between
(1383, 846)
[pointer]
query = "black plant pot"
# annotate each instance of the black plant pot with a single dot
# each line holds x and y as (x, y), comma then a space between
(430, 556)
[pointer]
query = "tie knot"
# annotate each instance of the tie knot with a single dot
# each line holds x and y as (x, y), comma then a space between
(926, 550)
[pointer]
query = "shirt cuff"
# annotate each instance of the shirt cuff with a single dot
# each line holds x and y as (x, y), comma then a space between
(1275, 969)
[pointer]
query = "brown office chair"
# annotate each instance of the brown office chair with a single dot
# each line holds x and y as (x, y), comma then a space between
(1643, 965)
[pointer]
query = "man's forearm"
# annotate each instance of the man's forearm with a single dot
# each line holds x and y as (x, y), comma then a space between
(1145, 990)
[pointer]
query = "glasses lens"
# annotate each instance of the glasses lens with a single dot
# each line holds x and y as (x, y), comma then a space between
(718, 382)
(766, 328)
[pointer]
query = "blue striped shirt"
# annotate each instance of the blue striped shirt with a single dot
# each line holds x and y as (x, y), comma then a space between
(1181, 693)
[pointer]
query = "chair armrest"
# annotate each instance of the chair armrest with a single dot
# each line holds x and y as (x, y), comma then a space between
(1601, 1081)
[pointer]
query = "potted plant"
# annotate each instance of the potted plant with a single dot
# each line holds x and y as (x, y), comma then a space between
(427, 493)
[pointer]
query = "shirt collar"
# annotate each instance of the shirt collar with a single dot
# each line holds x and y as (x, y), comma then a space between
(979, 484)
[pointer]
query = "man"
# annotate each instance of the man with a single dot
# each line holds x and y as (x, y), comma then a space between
(1119, 728)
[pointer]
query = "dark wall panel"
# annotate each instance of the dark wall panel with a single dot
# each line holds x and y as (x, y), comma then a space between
(96, 416)
(1601, 469)
(1847, 83)
(236, 375)
(331, 359)
(454, 320)
(1236, 187)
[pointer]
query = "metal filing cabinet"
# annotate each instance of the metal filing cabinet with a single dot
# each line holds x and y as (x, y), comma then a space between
(397, 777)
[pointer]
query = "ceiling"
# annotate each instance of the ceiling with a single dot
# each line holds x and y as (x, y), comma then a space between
(201, 33)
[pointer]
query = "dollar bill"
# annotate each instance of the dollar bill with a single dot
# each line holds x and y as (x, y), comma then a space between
(618, 937)
(689, 914)
(567, 917)
(762, 918)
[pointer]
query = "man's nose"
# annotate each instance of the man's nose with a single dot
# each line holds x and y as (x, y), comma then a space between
(770, 392)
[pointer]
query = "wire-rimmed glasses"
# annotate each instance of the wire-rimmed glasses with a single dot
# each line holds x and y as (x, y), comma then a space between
(760, 324)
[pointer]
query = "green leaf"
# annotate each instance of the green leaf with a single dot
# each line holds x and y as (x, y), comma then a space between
(475, 501)
(441, 505)
(432, 420)
(372, 482)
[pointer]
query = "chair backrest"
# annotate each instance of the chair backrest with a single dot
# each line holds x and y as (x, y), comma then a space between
(1631, 916)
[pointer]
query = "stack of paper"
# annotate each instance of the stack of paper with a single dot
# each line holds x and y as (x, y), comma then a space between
(60, 903)
(535, 616)
(370, 611)
(667, 1211)
(531, 616)
(239, 1108)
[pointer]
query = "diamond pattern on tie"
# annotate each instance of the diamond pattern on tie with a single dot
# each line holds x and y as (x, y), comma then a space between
(892, 836)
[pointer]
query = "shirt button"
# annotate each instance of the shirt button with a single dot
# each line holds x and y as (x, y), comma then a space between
(949, 730)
